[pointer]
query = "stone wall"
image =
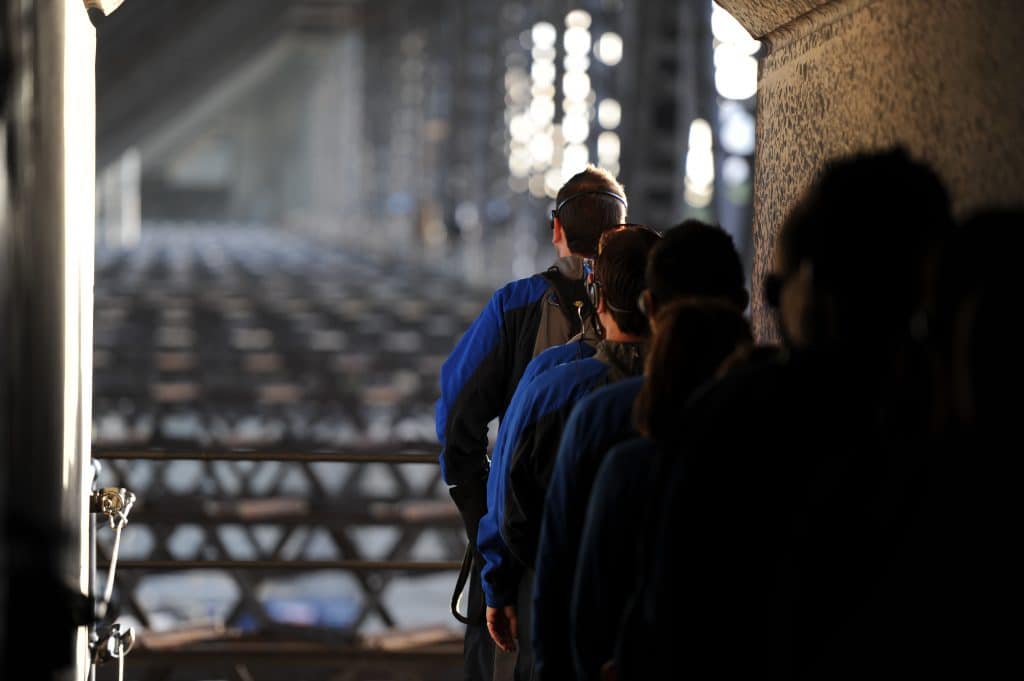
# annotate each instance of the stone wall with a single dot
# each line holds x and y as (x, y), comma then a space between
(941, 77)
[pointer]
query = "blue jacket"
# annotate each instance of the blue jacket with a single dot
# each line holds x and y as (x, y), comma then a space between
(600, 421)
(498, 569)
(480, 376)
(608, 560)
(526, 450)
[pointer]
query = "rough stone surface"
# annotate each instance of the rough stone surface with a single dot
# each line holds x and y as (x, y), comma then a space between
(940, 77)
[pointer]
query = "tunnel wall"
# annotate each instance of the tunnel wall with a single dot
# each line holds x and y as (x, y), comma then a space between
(941, 77)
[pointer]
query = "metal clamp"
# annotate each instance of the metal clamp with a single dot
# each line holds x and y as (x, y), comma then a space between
(115, 645)
(115, 503)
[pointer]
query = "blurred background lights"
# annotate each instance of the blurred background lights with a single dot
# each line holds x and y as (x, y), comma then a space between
(735, 67)
(576, 41)
(544, 34)
(736, 129)
(700, 165)
(542, 109)
(608, 147)
(576, 85)
(735, 170)
(577, 18)
(543, 71)
(608, 48)
(609, 114)
(735, 73)
(576, 62)
(574, 159)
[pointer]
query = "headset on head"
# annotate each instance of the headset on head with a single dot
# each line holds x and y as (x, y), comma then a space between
(621, 199)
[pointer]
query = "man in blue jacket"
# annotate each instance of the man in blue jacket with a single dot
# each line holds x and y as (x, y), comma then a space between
(481, 374)
(528, 439)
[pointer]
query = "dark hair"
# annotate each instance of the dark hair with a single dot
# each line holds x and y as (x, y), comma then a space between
(696, 259)
(868, 228)
(694, 337)
(587, 216)
(619, 271)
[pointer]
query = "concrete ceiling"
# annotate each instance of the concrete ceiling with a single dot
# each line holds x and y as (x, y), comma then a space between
(155, 58)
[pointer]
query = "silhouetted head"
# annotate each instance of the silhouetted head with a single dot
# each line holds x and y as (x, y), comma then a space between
(694, 259)
(619, 276)
(852, 258)
(589, 204)
(694, 336)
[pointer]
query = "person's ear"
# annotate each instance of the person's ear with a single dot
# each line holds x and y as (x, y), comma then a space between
(557, 232)
(650, 306)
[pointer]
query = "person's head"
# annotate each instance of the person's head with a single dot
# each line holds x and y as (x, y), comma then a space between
(589, 204)
(694, 337)
(852, 258)
(619, 278)
(694, 259)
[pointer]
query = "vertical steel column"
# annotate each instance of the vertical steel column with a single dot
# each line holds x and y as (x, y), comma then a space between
(667, 53)
(46, 240)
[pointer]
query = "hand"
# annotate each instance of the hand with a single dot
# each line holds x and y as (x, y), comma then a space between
(608, 672)
(503, 627)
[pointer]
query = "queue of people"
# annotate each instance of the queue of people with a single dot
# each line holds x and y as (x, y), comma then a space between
(667, 498)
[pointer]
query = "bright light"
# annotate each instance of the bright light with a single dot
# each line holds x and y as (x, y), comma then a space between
(541, 149)
(552, 182)
(544, 53)
(735, 170)
(544, 34)
(608, 147)
(735, 73)
(576, 62)
(543, 72)
(542, 110)
(700, 134)
(521, 128)
(609, 114)
(575, 107)
(574, 160)
(576, 85)
(519, 165)
(726, 29)
(537, 186)
(576, 40)
(543, 90)
(608, 48)
(736, 129)
(697, 196)
(700, 165)
(575, 128)
(577, 18)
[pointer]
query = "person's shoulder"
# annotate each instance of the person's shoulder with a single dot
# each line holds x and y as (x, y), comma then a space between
(628, 462)
(559, 354)
(557, 385)
(521, 291)
(615, 398)
(616, 393)
(568, 374)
